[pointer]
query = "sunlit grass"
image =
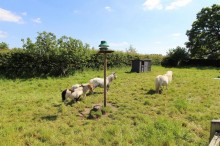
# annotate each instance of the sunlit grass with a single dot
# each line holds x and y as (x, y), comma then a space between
(32, 113)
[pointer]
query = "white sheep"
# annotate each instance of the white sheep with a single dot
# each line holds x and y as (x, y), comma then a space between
(163, 80)
(170, 75)
(76, 93)
(99, 82)
(75, 86)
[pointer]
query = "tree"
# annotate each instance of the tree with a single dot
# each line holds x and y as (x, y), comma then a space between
(46, 43)
(3, 46)
(175, 56)
(131, 49)
(204, 36)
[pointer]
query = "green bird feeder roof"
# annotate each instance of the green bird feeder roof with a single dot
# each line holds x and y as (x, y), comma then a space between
(103, 44)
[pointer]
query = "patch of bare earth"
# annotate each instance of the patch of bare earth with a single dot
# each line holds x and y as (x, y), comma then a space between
(86, 111)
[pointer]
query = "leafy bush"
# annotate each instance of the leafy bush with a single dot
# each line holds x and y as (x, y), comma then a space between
(175, 56)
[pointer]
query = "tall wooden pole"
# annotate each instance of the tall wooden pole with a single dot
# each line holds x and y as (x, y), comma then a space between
(105, 88)
(104, 50)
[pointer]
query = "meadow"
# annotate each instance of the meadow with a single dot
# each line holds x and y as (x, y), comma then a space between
(32, 113)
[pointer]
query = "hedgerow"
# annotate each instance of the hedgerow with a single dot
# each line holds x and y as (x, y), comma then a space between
(49, 56)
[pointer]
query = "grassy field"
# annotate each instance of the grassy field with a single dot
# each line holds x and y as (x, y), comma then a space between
(31, 111)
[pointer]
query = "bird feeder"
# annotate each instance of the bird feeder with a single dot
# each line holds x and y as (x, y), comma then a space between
(103, 46)
(104, 50)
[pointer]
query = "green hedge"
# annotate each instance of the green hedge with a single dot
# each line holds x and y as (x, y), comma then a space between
(24, 64)
(49, 56)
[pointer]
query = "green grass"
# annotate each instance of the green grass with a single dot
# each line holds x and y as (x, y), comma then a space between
(31, 111)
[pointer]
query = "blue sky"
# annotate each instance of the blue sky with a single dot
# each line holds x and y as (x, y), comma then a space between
(150, 26)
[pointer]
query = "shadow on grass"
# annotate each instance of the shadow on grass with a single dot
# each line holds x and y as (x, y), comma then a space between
(57, 105)
(87, 94)
(198, 67)
(131, 72)
(94, 93)
(71, 102)
(49, 118)
(207, 67)
(151, 91)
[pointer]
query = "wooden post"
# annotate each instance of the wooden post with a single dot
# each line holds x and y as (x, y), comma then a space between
(105, 52)
(105, 89)
(215, 127)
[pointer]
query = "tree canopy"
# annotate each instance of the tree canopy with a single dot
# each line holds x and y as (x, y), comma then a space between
(175, 56)
(204, 36)
(3, 46)
(47, 43)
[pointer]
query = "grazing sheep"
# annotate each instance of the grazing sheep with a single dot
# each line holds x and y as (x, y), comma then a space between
(163, 80)
(80, 85)
(75, 86)
(99, 82)
(75, 94)
(170, 75)
(87, 87)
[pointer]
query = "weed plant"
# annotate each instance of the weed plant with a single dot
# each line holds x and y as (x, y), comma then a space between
(32, 113)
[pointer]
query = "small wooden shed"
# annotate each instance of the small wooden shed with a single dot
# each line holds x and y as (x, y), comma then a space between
(139, 65)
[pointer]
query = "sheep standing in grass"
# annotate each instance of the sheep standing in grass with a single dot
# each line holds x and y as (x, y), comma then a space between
(163, 80)
(170, 75)
(76, 93)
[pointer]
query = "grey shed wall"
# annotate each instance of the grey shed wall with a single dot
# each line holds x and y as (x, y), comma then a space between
(141, 65)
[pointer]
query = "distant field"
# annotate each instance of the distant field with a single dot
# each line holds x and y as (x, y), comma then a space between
(31, 111)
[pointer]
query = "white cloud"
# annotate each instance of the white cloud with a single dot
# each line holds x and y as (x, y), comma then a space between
(24, 13)
(108, 8)
(37, 20)
(177, 3)
(152, 4)
(157, 42)
(3, 34)
(6, 15)
(156, 4)
(119, 44)
(176, 35)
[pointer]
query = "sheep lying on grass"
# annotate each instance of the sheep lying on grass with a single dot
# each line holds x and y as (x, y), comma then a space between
(76, 93)
(163, 80)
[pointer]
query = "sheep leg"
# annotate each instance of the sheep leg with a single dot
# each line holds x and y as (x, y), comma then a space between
(91, 92)
(157, 88)
(77, 99)
(65, 102)
(108, 87)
